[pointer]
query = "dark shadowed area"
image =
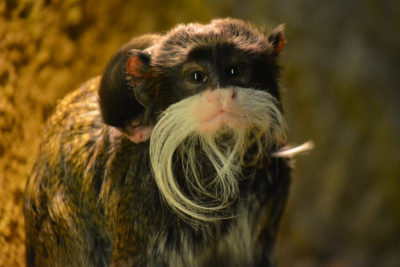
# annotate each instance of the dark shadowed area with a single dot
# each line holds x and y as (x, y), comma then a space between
(341, 79)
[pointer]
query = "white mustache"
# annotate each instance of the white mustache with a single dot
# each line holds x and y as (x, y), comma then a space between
(179, 134)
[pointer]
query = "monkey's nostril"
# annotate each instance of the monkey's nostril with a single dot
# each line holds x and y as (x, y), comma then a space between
(232, 94)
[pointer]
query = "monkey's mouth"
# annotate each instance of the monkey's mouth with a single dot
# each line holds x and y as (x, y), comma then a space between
(216, 122)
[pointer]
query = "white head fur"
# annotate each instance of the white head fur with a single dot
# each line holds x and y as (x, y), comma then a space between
(177, 137)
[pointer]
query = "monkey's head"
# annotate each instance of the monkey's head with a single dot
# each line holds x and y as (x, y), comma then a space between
(207, 98)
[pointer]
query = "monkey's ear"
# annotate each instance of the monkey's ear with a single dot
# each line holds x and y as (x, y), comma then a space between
(137, 63)
(138, 69)
(119, 104)
(277, 39)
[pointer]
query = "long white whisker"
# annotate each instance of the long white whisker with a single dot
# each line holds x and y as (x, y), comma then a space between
(177, 137)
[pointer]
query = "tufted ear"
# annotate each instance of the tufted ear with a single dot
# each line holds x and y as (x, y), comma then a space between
(277, 39)
(137, 65)
(138, 70)
(120, 105)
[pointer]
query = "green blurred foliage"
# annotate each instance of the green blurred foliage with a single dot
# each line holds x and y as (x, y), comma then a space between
(341, 90)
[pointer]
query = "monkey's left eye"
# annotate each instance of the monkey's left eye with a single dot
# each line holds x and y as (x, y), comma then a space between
(198, 77)
(235, 71)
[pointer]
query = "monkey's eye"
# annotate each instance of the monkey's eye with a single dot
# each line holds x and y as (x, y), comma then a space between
(235, 71)
(198, 77)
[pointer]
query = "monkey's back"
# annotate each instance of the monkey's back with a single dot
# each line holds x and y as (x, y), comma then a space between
(78, 187)
(53, 200)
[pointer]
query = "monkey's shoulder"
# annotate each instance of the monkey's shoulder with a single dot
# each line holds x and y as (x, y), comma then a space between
(74, 127)
(76, 112)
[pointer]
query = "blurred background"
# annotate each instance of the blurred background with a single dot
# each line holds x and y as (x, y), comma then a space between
(341, 90)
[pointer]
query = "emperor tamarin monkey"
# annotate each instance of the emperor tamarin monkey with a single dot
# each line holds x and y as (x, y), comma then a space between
(172, 158)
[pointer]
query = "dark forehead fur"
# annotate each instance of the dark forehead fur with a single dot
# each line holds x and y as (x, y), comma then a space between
(178, 43)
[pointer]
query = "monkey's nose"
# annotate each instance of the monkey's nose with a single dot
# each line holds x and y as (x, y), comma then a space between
(220, 96)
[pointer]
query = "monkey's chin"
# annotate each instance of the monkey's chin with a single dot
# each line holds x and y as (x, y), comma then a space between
(211, 158)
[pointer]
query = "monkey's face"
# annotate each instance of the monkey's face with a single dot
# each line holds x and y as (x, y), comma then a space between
(217, 71)
(213, 90)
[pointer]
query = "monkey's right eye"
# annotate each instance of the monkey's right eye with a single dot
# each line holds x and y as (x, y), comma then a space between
(198, 77)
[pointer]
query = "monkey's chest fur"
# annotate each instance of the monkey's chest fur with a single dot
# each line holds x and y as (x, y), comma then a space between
(92, 201)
